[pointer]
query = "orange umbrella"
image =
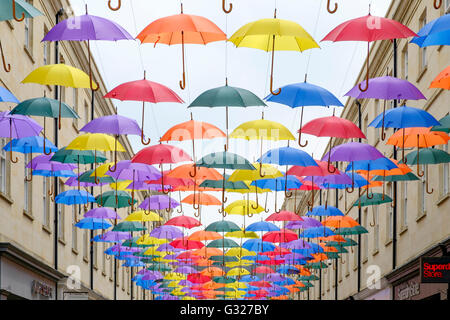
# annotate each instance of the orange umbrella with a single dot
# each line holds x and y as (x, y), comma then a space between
(419, 138)
(340, 222)
(442, 80)
(203, 262)
(205, 235)
(303, 271)
(401, 170)
(318, 257)
(327, 248)
(211, 285)
(207, 252)
(212, 272)
(198, 199)
(336, 238)
(181, 29)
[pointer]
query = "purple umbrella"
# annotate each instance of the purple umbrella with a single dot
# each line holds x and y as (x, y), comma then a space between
(17, 126)
(166, 232)
(127, 170)
(332, 179)
(120, 248)
(185, 270)
(185, 282)
(43, 163)
(168, 247)
(113, 124)
(158, 202)
(295, 244)
(152, 275)
(274, 277)
(307, 222)
(144, 272)
(387, 88)
(102, 213)
(115, 236)
(86, 28)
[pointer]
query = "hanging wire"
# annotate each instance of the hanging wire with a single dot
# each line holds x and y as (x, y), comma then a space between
(143, 68)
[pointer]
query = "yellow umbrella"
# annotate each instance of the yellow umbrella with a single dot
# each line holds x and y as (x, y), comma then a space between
(253, 189)
(262, 129)
(175, 276)
(240, 263)
(241, 234)
(239, 252)
(244, 207)
(59, 75)
(237, 285)
(188, 298)
(101, 170)
(146, 239)
(143, 216)
(96, 142)
(237, 272)
(273, 35)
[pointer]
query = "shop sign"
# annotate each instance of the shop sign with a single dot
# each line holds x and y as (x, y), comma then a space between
(41, 289)
(435, 270)
(408, 291)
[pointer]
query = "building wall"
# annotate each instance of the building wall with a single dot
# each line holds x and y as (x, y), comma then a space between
(29, 229)
(418, 229)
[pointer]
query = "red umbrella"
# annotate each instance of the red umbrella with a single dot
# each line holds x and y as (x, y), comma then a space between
(184, 221)
(198, 278)
(278, 251)
(333, 127)
(188, 255)
(272, 262)
(261, 284)
(186, 244)
(145, 91)
(369, 28)
(159, 154)
(284, 216)
(322, 169)
(263, 270)
(282, 235)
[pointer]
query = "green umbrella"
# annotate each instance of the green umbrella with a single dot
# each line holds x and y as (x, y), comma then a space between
(404, 177)
(114, 199)
(86, 177)
(78, 156)
(225, 160)
(44, 107)
(348, 243)
(308, 278)
(445, 125)
(307, 285)
(376, 200)
(129, 226)
(17, 10)
(227, 96)
(133, 243)
(159, 267)
(224, 258)
(225, 289)
(223, 280)
(223, 243)
(223, 226)
(352, 230)
(427, 156)
(218, 184)
(316, 265)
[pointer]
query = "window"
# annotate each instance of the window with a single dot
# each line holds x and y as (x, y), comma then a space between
(405, 62)
(46, 203)
(365, 124)
(103, 258)
(4, 169)
(422, 193)
(389, 215)
(445, 174)
(85, 245)
(86, 113)
(61, 220)
(423, 51)
(364, 237)
(75, 105)
(27, 192)
(46, 49)
(111, 267)
(94, 251)
(376, 229)
(29, 32)
(405, 204)
(123, 278)
(447, 6)
(75, 212)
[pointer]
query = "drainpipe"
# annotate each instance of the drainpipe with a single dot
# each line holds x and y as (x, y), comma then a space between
(359, 209)
(320, 269)
(394, 215)
(55, 184)
(91, 253)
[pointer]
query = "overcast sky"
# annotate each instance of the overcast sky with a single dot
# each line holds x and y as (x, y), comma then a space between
(334, 66)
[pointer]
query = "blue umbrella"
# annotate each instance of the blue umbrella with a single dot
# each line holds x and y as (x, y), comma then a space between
(34, 144)
(357, 180)
(321, 211)
(304, 94)
(133, 263)
(262, 226)
(434, 33)
(71, 197)
(249, 278)
(287, 269)
(6, 96)
(317, 232)
(59, 173)
(93, 224)
(257, 245)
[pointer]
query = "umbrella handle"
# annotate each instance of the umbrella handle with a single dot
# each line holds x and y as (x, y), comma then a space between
(367, 193)
(31, 176)
(372, 223)
(286, 193)
(145, 143)
(300, 139)
(230, 7)
(342, 261)
(265, 205)
(367, 72)
(271, 73)
(329, 168)
(183, 82)
(353, 181)
(14, 12)
(335, 7)
(195, 172)
(7, 68)
(119, 4)
(437, 4)
(426, 179)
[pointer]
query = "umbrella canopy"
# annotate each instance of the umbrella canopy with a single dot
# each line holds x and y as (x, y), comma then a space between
(93, 224)
(129, 226)
(7, 96)
(102, 213)
(434, 33)
(72, 197)
(184, 221)
(114, 199)
(441, 81)
(273, 35)
(321, 211)
(181, 29)
(112, 124)
(222, 226)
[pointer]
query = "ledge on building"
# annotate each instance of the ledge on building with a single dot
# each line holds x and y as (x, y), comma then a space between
(421, 216)
(7, 198)
(28, 215)
(29, 54)
(442, 199)
(46, 229)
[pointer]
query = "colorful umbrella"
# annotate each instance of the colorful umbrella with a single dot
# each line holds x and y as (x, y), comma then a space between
(181, 28)
(441, 81)
(7, 96)
(434, 33)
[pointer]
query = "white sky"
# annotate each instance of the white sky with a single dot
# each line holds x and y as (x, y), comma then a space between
(335, 67)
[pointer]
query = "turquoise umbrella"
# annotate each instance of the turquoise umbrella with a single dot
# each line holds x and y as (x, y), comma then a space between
(17, 10)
